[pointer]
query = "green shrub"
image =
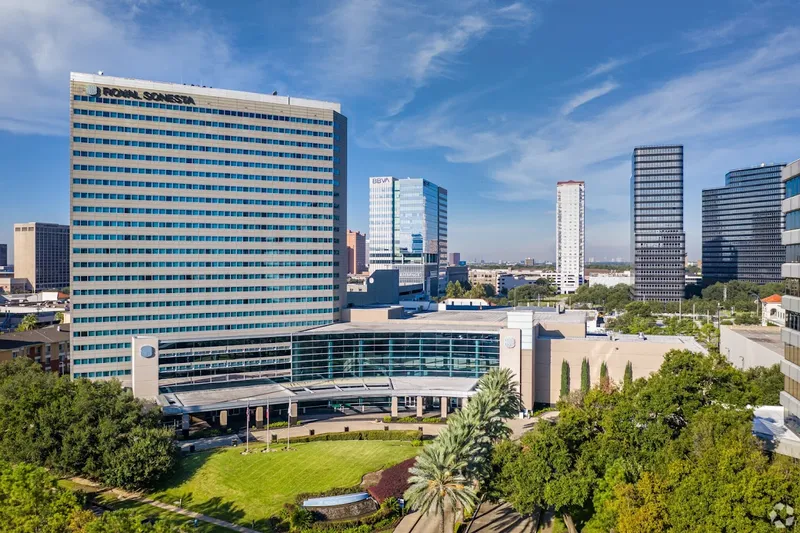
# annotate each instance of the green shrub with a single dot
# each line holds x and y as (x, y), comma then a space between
(387, 419)
(403, 435)
(408, 419)
(434, 420)
(416, 443)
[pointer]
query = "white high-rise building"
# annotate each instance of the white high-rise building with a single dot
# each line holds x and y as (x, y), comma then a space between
(570, 233)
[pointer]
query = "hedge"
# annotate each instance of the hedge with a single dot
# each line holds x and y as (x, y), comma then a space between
(404, 435)
(415, 420)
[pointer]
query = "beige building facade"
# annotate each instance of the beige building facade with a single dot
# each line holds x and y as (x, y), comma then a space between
(41, 255)
(356, 252)
(198, 216)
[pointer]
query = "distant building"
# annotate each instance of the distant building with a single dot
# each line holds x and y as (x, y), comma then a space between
(742, 225)
(41, 255)
(570, 235)
(772, 311)
(48, 346)
(529, 261)
(3, 255)
(611, 280)
(408, 230)
(458, 273)
(356, 252)
(658, 242)
(453, 259)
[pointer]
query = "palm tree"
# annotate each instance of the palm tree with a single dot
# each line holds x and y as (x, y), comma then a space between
(437, 484)
(499, 384)
(28, 323)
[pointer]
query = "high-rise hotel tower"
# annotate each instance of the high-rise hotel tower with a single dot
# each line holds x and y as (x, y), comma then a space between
(658, 243)
(205, 223)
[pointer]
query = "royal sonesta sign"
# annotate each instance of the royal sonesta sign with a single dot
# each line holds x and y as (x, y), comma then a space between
(114, 92)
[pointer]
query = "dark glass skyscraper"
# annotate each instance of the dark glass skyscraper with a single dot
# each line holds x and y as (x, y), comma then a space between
(742, 225)
(658, 243)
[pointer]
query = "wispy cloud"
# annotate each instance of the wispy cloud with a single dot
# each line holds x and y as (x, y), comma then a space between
(398, 49)
(615, 63)
(42, 40)
(718, 104)
(587, 96)
(724, 34)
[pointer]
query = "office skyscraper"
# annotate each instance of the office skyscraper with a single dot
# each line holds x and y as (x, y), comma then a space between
(742, 226)
(790, 397)
(658, 243)
(201, 218)
(3, 255)
(356, 252)
(408, 230)
(41, 255)
(570, 231)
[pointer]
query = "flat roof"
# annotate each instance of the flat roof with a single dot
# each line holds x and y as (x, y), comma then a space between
(203, 91)
(767, 336)
(204, 398)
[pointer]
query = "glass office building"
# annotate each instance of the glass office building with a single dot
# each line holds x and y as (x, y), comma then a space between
(200, 213)
(790, 366)
(658, 242)
(408, 230)
(742, 226)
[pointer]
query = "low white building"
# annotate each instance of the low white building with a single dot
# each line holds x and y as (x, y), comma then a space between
(772, 311)
(611, 280)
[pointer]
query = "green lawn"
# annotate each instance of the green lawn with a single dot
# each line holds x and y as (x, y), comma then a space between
(243, 489)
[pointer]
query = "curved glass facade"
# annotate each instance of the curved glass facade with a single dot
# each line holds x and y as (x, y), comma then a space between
(370, 354)
(742, 226)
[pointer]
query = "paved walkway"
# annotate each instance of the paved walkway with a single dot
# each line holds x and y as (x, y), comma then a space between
(501, 518)
(125, 495)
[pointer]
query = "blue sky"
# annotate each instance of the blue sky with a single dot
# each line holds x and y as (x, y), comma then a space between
(496, 101)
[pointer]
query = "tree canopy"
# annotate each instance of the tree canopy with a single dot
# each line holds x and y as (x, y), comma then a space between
(674, 452)
(94, 429)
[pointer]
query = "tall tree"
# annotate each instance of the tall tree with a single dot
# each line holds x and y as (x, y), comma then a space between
(564, 379)
(628, 378)
(437, 486)
(604, 379)
(585, 378)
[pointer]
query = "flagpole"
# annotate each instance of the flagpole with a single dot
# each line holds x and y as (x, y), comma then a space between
(247, 428)
(269, 437)
(288, 422)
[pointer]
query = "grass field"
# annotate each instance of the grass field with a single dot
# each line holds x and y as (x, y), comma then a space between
(244, 489)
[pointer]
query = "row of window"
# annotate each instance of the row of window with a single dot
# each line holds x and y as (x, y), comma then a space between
(203, 123)
(199, 238)
(186, 316)
(198, 251)
(102, 360)
(200, 303)
(200, 147)
(102, 374)
(201, 290)
(198, 187)
(197, 199)
(198, 161)
(203, 110)
(202, 277)
(189, 329)
(197, 225)
(792, 187)
(164, 172)
(196, 135)
(201, 264)
(195, 212)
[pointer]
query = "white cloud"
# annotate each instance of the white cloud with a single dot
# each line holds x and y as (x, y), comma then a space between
(607, 66)
(587, 96)
(41, 41)
(395, 50)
